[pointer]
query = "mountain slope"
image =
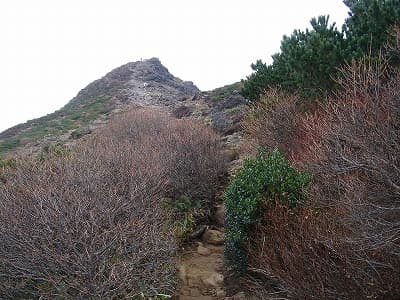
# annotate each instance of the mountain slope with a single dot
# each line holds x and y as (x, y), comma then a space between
(143, 83)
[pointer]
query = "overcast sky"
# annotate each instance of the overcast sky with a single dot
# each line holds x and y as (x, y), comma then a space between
(51, 49)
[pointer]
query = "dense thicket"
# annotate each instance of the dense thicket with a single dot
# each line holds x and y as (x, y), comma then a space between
(309, 59)
(305, 63)
(91, 223)
(344, 242)
(354, 155)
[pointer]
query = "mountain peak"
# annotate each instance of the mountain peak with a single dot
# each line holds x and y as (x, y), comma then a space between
(145, 83)
(153, 60)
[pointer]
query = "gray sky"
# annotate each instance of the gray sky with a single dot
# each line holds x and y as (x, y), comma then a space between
(51, 49)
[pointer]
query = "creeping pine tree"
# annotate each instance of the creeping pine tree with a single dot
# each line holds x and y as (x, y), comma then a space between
(370, 24)
(256, 81)
(306, 62)
(309, 59)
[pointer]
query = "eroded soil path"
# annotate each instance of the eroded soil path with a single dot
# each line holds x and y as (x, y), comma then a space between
(201, 266)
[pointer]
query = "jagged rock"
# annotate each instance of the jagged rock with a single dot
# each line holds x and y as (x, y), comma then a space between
(182, 111)
(213, 237)
(145, 83)
(233, 100)
(198, 232)
(76, 134)
(232, 140)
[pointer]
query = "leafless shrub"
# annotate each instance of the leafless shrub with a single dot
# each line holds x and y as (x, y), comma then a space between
(191, 153)
(91, 223)
(345, 243)
(357, 172)
(273, 121)
(297, 253)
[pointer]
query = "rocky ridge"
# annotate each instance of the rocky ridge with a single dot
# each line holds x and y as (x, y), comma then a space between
(145, 83)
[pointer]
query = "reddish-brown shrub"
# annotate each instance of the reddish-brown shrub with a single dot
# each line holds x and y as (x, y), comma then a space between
(190, 152)
(91, 223)
(295, 254)
(273, 122)
(357, 171)
(345, 243)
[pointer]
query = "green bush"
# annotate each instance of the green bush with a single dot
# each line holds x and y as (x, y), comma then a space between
(268, 177)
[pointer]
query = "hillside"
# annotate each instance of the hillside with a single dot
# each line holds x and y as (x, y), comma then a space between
(157, 190)
(138, 126)
(144, 83)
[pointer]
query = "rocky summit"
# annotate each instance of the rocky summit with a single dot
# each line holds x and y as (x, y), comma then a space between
(145, 83)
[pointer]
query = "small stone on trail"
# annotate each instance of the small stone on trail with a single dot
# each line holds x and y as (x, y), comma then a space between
(183, 273)
(185, 292)
(220, 293)
(213, 237)
(239, 296)
(198, 232)
(215, 280)
(203, 250)
(195, 293)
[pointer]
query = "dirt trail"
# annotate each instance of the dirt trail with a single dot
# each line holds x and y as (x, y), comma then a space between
(201, 266)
